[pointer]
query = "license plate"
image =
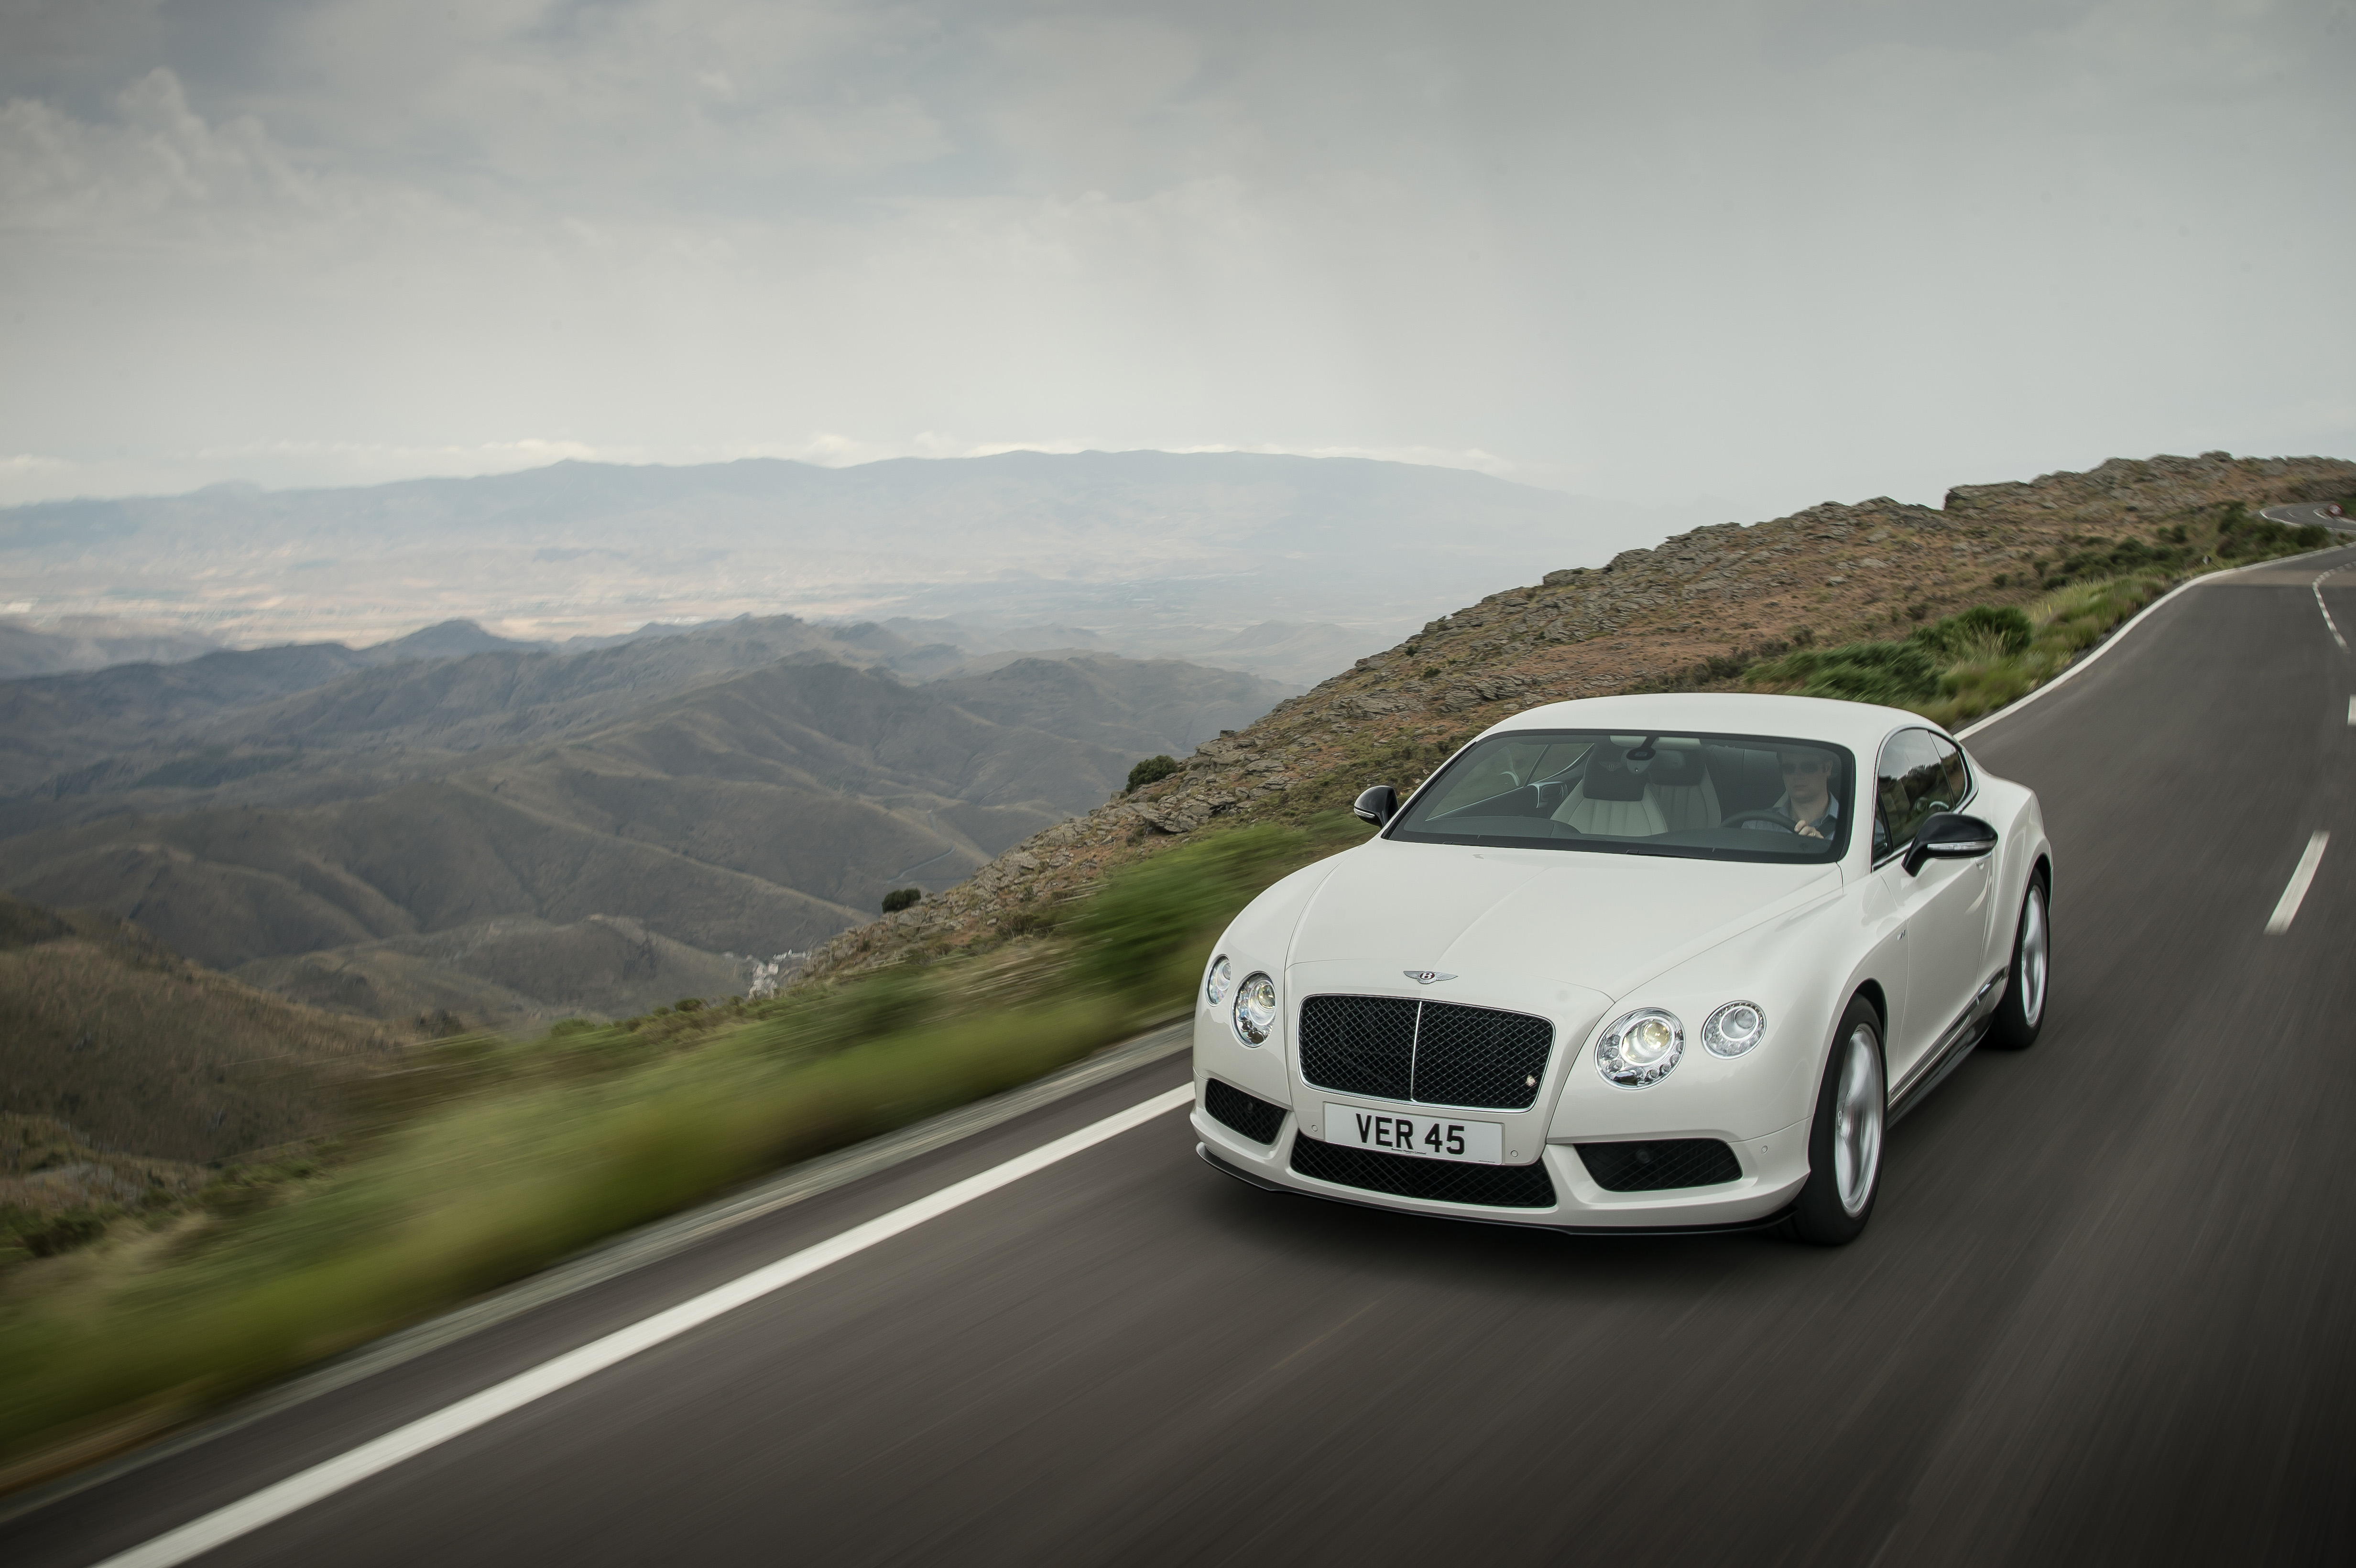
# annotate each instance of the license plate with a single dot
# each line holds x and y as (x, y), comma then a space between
(1433, 1137)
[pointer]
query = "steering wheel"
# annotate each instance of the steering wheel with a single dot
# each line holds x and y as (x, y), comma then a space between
(1741, 817)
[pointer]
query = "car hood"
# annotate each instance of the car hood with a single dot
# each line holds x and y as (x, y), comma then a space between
(1607, 922)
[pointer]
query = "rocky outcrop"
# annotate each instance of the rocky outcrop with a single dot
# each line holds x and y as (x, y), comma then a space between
(2124, 486)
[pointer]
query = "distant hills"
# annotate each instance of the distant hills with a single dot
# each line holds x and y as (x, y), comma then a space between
(1160, 552)
(514, 832)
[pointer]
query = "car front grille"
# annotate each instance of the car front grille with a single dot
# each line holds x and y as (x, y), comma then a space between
(1441, 1180)
(1247, 1113)
(1440, 1053)
(1651, 1167)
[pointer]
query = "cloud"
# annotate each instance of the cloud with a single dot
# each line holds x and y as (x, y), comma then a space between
(149, 170)
(1776, 251)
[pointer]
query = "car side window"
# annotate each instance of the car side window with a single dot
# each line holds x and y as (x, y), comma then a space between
(1959, 773)
(1919, 775)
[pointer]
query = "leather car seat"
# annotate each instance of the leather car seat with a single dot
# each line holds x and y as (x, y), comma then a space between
(1612, 800)
(1680, 785)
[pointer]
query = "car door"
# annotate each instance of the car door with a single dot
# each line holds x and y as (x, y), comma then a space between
(1944, 908)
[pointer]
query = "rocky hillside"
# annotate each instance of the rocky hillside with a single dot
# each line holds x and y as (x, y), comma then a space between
(1694, 610)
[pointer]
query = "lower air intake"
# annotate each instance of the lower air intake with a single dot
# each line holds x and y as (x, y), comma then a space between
(1653, 1167)
(1254, 1117)
(1441, 1180)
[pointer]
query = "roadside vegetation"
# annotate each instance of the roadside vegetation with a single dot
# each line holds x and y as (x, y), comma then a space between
(1961, 666)
(481, 1160)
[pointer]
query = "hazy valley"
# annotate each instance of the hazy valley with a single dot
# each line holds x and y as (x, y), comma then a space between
(1156, 553)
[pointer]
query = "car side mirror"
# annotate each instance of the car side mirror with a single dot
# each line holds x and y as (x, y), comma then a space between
(1948, 835)
(1377, 805)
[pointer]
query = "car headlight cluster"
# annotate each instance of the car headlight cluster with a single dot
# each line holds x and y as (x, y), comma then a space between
(1734, 1028)
(1255, 1009)
(1641, 1048)
(1214, 988)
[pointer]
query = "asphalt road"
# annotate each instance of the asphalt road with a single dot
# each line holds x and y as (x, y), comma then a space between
(2300, 513)
(2103, 1313)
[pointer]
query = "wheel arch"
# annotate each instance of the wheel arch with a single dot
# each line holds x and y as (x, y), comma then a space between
(1869, 990)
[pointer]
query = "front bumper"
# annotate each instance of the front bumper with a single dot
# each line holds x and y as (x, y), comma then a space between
(1773, 1169)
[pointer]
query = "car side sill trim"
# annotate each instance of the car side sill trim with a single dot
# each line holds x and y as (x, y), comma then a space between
(1968, 1030)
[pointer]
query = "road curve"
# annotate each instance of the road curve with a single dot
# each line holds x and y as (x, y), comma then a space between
(2102, 1313)
(2298, 514)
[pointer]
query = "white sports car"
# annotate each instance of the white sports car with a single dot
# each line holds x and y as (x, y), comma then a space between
(1631, 964)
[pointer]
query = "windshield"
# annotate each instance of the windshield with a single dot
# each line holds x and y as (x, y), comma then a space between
(1726, 797)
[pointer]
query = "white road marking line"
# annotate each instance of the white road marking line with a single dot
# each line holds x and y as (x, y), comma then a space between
(300, 1491)
(2316, 588)
(2352, 713)
(2304, 873)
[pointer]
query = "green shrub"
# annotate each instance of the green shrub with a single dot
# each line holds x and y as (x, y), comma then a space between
(62, 1233)
(1149, 770)
(1982, 632)
(1969, 691)
(899, 899)
(2243, 533)
(884, 1004)
(2120, 556)
(46, 1235)
(1901, 674)
(1026, 921)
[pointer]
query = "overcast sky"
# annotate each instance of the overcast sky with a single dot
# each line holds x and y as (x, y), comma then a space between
(1772, 253)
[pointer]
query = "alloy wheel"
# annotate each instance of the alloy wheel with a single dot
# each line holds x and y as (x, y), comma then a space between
(1857, 1122)
(2034, 957)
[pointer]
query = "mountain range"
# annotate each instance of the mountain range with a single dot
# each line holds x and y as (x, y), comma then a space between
(514, 832)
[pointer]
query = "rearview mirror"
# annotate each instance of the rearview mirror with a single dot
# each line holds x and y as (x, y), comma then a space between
(1377, 805)
(1948, 835)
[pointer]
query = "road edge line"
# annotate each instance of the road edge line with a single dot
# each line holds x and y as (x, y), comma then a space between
(624, 1253)
(318, 1482)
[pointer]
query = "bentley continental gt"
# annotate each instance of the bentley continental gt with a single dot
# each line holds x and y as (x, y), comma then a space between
(1633, 964)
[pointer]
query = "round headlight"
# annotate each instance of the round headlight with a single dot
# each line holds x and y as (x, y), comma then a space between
(1734, 1028)
(1215, 989)
(1640, 1048)
(1255, 1009)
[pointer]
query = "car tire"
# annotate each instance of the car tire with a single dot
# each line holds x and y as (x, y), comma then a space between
(2028, 983)
(1846, 1137)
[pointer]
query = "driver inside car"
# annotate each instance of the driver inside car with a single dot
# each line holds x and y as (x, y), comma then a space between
(1808, 807)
